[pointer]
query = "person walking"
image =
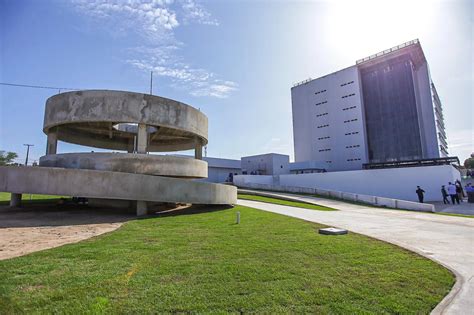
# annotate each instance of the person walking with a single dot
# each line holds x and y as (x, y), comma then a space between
(459, 190)
(445, 195)
(420, 193)
(452, 193)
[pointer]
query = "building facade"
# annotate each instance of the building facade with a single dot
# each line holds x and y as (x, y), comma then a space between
(266, 164)
(383, 109)
(219, 170)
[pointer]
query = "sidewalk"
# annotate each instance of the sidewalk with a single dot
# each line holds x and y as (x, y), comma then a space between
(463, 208)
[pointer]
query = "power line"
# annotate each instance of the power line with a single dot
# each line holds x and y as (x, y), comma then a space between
(39, 86)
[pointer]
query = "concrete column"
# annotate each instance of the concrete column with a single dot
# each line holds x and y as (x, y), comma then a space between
(142, 139)
(52, 144)
(198, 150)
(141, 208)
(15, 200)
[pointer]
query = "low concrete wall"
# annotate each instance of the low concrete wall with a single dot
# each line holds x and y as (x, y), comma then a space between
(372, 200)
(393, 183)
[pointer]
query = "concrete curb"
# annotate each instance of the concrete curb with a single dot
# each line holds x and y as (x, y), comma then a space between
(345, 196)
(272, 195)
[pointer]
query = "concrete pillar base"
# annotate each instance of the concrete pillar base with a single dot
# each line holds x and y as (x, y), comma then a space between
(142, 208)
(15, 200)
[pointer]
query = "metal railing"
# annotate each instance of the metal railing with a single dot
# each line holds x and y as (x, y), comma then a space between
(413, 163)
(302, 82)
(387, 51)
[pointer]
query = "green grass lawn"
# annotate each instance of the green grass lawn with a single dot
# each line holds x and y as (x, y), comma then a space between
(205, 263)
(35, 198)
(284, 202)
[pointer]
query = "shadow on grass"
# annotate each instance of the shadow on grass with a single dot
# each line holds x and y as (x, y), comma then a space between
(32, 202)
(49, 212)
(53, 214)
(190, 209)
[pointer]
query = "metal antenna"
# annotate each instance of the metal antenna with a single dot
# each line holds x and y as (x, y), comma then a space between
(27, 152)
(151, 83)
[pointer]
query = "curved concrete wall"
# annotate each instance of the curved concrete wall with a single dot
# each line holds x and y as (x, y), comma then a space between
(113, 185)
(129, 163)
(87, 118)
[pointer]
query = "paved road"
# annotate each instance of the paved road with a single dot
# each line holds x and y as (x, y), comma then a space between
(446, 239)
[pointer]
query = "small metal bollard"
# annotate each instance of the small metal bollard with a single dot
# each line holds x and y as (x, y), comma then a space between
(238, 217)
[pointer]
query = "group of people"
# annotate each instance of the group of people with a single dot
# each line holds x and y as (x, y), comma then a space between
(454, 191)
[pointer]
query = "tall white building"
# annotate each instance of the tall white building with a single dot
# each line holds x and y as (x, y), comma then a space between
(383, 109)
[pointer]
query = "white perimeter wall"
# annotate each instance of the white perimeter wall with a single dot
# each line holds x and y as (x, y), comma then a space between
(398, 183)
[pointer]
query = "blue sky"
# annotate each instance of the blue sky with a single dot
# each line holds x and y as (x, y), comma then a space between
(235, 60)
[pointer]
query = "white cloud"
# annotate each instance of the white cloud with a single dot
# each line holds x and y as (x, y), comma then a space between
(148, 15)
(154, 22)
(195, 12)
(219, 89)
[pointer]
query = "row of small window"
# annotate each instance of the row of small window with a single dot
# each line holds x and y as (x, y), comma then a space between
(322, 138)
(351, 133)
(321, 103)
(351, 120)
(347, 83)
(324, 150)
(348, 95)
(350, 160)
(323, 126)
(323, 114)
(319, 92)
(329, 162)
(347, 108)
(352, 146)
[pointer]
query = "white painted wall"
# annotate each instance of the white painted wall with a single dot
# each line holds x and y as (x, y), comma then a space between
(219, 169)
(398, 183)
(307, 116)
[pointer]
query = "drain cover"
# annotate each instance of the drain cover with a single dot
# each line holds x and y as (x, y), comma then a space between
(332, 231)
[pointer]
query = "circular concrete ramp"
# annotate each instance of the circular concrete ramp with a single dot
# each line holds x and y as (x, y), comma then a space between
(131, 122)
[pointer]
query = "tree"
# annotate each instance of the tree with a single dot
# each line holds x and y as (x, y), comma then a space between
(6, 158)
(469, 162)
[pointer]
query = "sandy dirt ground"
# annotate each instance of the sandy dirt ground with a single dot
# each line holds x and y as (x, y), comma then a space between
(37, 227)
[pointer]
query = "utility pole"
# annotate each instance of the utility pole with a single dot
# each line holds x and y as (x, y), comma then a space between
(27, 152)
(151, 83)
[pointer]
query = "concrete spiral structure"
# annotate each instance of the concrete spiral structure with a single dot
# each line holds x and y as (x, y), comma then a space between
(117, 120)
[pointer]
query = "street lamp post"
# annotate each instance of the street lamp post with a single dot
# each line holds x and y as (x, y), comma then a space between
(27, 152)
